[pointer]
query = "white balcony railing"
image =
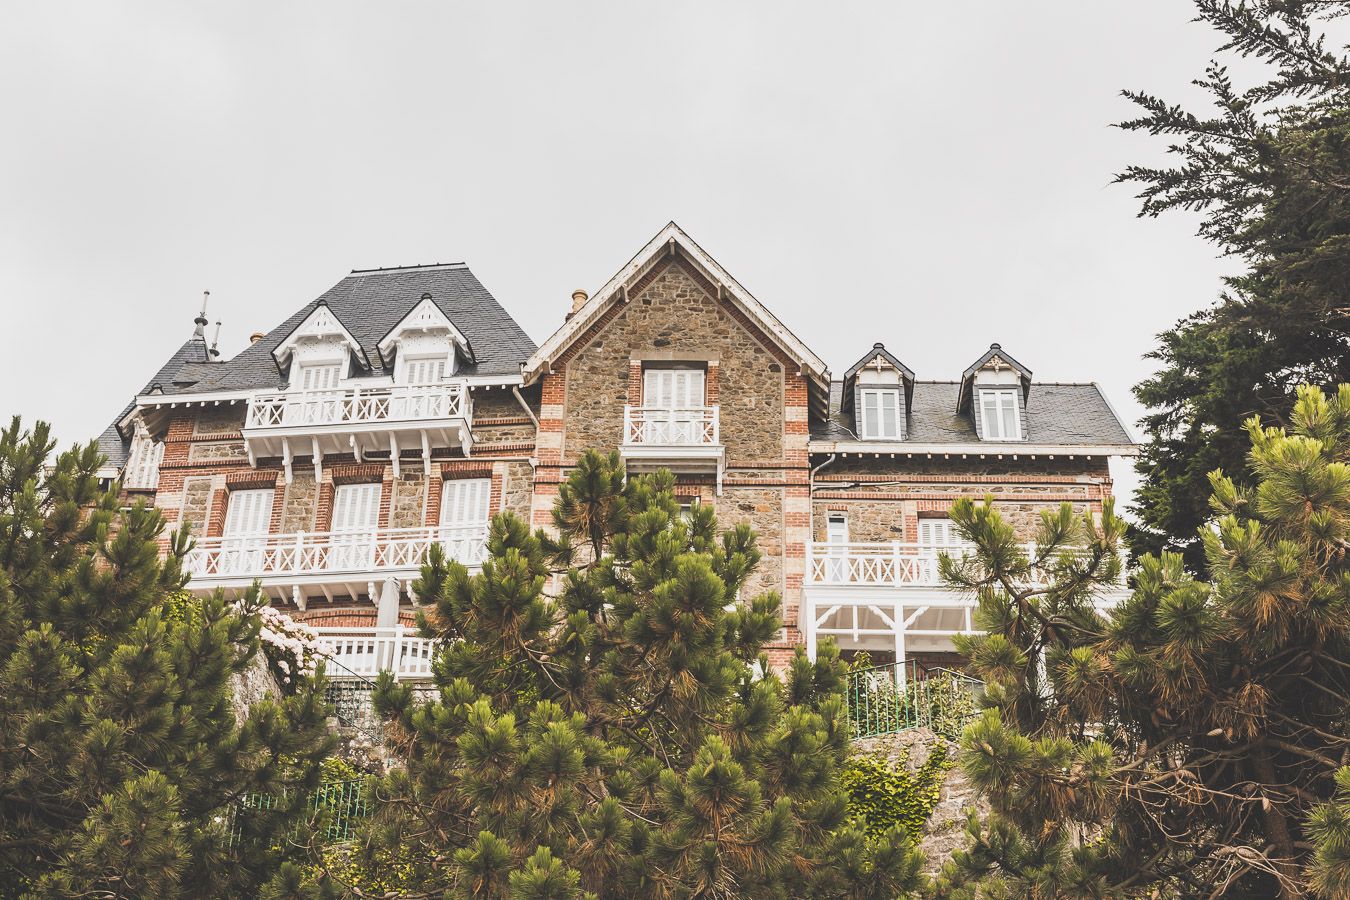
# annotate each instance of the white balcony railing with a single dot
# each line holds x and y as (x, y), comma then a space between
(891, 564)
(358, 405)
(694, 426)
(377, 550)
(369, 651)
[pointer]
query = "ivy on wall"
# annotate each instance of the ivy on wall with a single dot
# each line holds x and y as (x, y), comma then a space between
(882, 793)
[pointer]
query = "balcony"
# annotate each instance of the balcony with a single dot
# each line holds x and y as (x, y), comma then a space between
(685, 440)
(890, 597)
(299, 566)
(359, 420)
(357, 653)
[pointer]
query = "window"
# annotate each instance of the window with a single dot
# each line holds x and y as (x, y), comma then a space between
(426, 370)
(356, 513)
(244, 541)
(880, 413)
(939, 533)
(998, 414)
(836, 558)
(673, 413)
(318, 376)
(464, 518)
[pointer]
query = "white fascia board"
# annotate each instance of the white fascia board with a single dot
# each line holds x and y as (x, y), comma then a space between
(160, 401)
(392, 338)
(645, 258)
(287, 346)
(986, 448)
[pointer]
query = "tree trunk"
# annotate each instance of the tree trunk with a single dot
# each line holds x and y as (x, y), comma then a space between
(1277, 826)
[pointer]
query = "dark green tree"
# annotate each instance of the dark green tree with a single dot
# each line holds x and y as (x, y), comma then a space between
(1268, 167)
(606, 725)
(1177, 744)
(121, 758)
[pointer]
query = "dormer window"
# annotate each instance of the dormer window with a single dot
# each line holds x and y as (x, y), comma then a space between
(1000, 416)
(318, 352)
(877, 391)
(424, 347)
(880, 408)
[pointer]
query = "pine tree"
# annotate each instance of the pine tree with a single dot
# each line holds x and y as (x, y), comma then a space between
(1179, 743)
(605, 723)
(1269, 169)
(121, 759)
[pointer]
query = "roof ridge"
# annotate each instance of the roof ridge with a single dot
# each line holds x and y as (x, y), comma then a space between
(418, 267)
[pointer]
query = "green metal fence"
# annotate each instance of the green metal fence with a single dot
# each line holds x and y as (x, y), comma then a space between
(334, 807)
(891, 698)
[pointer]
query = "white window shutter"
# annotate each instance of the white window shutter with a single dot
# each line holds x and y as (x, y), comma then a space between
(356, 507)
(248, 513)
(464, 502)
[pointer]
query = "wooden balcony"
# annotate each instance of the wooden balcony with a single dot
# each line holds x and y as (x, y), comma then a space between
(359, 420)
(685, 440)
(890, 597)
(302, 565)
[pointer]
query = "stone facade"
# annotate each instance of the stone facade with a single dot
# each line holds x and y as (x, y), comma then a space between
(407, 505)
(674, 318)
(195, 510)
(300, 504)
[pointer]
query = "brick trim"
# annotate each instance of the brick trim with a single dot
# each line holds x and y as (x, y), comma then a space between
(251, 479)
(358, 474)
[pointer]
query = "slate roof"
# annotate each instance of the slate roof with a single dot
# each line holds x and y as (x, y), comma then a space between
(191, 356)
(1056, 414)
(369, 303)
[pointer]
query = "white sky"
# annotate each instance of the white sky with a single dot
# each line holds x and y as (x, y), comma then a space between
(934, 176)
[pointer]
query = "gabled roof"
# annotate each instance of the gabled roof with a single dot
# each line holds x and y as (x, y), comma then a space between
(321, 323)
(672, 239)
(185, 366)
(425, 316)
(1075, 415)
(997, 355)
(371, 302)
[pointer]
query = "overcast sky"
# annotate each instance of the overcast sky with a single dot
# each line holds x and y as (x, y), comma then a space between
(935, 176)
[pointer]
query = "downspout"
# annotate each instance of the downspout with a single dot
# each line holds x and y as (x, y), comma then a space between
(812, 481)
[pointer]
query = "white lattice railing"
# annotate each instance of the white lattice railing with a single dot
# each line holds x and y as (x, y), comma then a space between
(892, 563)
(305, 553)
(369, 651)
(141, 472)
(407, 402)
(694, 426)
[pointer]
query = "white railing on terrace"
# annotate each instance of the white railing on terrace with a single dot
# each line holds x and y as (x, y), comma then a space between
(693, 426)
(355, 405)
(893, 564)
(314, 553)
(369, 651)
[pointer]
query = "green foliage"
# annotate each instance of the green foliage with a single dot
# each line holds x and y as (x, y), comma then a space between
(121, 758)
(606, 722)
(1269, 168)
(1197, 730)
(882, 794)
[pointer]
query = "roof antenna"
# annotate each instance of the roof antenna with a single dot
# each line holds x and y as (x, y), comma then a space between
(215, 341)
(200, 330)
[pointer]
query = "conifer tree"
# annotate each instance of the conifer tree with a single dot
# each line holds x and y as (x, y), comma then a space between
(121, 758)
(1267, 166)
(1187, 742)
(605, 723)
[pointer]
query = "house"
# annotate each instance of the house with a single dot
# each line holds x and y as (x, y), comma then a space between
(405, 407)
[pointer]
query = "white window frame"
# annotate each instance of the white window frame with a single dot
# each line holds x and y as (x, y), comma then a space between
(352, 545)
(337, 366)
(242, 548)
(992, 426)
(872, 425)
(463, 530)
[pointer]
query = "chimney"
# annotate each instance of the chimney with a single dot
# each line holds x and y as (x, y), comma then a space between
(579, 298)
(255, 337)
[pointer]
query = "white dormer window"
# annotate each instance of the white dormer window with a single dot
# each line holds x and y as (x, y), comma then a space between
(999, 415)
(425, 346)
(880, 413)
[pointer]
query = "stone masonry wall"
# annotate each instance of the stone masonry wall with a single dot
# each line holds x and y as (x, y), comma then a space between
(674, 315)
(300, 504)
(408, 502)
(762, 509)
